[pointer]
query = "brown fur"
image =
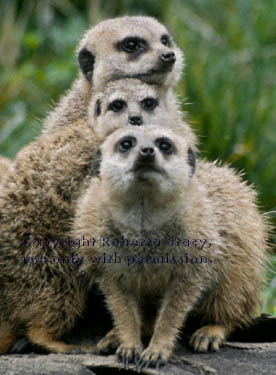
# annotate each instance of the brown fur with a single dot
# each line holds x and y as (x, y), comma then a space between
(213, 204)
(110, 64)
(36, 202)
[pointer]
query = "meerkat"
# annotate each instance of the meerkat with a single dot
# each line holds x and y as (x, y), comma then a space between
(152, 196)
(128, 102)
(127, 47)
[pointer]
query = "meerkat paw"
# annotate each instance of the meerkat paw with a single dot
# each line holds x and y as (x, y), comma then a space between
(128, 353)
(109, 343)
(208, 338)
(154, 357)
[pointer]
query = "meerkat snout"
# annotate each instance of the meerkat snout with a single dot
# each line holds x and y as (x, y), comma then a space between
(168, 58)
(146, 162)
(135, 120)
(146, 154)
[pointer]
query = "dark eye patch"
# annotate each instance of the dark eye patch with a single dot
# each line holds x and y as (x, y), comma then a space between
(125, 144)
(165, 145)
(132, 45)
(166, 40)
(117, 105)
(149, 103)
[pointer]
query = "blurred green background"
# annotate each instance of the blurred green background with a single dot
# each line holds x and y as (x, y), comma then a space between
(228, 88)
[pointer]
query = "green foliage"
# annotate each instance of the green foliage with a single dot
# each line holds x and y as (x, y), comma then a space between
(228, 89)
(38, 63)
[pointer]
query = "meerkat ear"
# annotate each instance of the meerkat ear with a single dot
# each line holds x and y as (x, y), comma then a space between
(192, 160)
(96, 163)
(97, 109)
(86, 62)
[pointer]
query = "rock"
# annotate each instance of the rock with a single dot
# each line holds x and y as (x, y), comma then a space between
(249, 351)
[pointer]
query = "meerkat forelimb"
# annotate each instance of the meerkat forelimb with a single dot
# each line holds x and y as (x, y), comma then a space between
(150, 187)
(126, 47)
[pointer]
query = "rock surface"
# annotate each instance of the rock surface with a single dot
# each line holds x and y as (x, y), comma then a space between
(232, 359)
(248, 352)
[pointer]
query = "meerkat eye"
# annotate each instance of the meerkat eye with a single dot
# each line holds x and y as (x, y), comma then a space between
(149, 103)
(165, 146)
(126, 144)
(133, 44)
(165, 39)
(117, 105)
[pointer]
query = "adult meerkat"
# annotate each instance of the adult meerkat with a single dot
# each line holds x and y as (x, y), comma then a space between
(126, 47)
(150, 198)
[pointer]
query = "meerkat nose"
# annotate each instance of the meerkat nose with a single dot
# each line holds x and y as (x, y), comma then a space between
(168, 58)
(146, 154)
(135, 120)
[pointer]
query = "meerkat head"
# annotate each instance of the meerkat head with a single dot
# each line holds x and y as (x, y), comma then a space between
(146, 160)
(130, 47)
(132, 103)
(127, 102)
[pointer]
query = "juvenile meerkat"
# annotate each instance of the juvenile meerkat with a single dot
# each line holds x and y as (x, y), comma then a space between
(126, 47)
(151, 188)
(128, 102)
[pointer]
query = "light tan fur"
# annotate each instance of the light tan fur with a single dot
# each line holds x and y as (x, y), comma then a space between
(109, 64)
(221, 281)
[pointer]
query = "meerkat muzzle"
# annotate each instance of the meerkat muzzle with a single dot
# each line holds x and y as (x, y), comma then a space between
(145, 161)
(135, 120)
(168, 58)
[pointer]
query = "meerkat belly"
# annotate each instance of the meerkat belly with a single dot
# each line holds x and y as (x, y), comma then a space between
(148, 279)
(144, 273)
